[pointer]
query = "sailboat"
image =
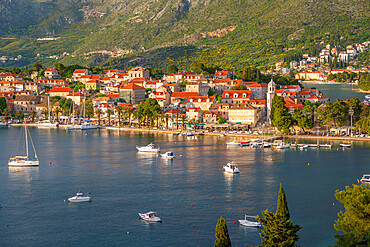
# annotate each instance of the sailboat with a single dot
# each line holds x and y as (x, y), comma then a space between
(48, 123)
(87, 124)
(24, 160)
(73, 126)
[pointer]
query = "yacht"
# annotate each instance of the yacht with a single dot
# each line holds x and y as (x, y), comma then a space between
(87, 125)
(233, 143)
(168, 155)
(3, 124)
(148, 148)
(365, 178)
(73, 127)
(250, 223)
(345, 145)
(244, 143)
(303, 147)
(231, 168)
(149, 216)
(266, 145)
(24, 160)
(80, 197)
(283, 145)
(48, 123)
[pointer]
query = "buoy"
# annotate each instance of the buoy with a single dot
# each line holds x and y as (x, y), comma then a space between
(128, 232)
(308, 163)
(139, 217)
(220, 169)
(358, 181)
(194, 231)
(50, 162)
(7, 225)
(214, 196)
(234, 222)
(192, 205)
(333, 203)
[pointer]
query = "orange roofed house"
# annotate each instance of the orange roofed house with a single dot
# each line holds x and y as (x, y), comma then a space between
(62, 92)
(236, 96)
(131, 94)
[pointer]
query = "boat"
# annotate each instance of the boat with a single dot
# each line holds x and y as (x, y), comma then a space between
(233, 143)
(345, 145)
(283, 145)
(149, 216)
(48, 123)
(168, 155)
(80, 197)
(231, 168)
(148, 148)
(190, 134)
(3, 124)
(87, 125)
(24, 160)
(303, 147)
(365, 178)
(244, 143)
(250, 223)
(222, 135)
(73, 127)
(266, 145)
(254, 145)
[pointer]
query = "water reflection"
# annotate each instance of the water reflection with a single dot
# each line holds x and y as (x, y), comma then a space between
(26, 174)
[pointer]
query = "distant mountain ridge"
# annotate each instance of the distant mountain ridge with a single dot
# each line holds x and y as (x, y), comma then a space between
(229, 32)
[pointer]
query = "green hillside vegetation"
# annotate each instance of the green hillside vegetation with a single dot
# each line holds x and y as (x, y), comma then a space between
(231, 34)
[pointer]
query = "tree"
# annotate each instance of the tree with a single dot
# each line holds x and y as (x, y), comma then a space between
(172, 69)
(278, 229)
(37, 67)
(222, 234)
(129, 112)
(364, 125)
(45, 112)
(166, 118)
(354, 223)
(89, 109)
(280, 118)
(32, 114)
(19, 114)
(301, 120)
(221, 120)
(211, 92)
(3, 105)
(98, 112)
(109, 112)
(183, 119)
(148, 109)
(119, 111)
(333, 114)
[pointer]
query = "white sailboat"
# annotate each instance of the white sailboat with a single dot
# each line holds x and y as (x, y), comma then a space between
(48, 123)
(73, 126)
(24, 160)
(87, 124)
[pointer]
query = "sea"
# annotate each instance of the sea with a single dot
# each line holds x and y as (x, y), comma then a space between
(189, 193)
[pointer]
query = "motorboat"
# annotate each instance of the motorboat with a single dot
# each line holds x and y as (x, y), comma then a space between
(222, 135)
(244, 143)
(254, 145)
(250, 223)
(80, 197)
(148, 148)
(303, 147)
(231, 168)
(233, 143)
(266, 145)
(3, 124)
(47, 124)
(24, 160)
(345, 145)
(73, 127)
(149, 216)
(190, 134)
(365, 178)
(168, 155)
(283, 145)
(88, 126)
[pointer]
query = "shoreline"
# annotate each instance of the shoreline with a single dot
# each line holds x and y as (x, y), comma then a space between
(360, 90)
(328, 83)
(159, 131)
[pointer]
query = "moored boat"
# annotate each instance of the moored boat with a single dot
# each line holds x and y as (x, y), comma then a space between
(244, 143)
(149, 148)
(250, 223)
(150, 217)
(283, 145)
(303, 146)
(233, 143)
(345, 144)
(87, 125)
(266, 145)
(365, 178)
(80, 197)
(231, 168)
(168, 155)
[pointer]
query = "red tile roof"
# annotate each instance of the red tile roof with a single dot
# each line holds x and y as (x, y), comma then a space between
(132, 86)
(79, 71)
(258, 85)
(173, 111)
(193, 109)
(113, 95)
(60, 90)
(183, 94)
(239, 94)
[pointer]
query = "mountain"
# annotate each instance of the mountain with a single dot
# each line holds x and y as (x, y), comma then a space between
(230, 33)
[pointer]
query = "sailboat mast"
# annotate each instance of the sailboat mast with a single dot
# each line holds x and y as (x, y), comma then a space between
(25, 132)
(84, 108)
(49, 107)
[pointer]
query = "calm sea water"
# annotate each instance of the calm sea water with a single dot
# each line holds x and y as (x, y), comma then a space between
(337, 91)
(124, 183)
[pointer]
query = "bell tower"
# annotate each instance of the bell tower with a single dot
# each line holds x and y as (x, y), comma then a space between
(271, 90)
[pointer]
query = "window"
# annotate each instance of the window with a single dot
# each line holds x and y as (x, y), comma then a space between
(235, 95)
(227, 95)
(244, 95)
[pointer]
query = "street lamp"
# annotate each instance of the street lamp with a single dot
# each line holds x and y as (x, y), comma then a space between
(351, 112)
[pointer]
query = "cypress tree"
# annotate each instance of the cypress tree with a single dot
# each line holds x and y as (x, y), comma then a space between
(222, 234)
(282, 205)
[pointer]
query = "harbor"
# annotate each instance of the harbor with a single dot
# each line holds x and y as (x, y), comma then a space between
(124, 182)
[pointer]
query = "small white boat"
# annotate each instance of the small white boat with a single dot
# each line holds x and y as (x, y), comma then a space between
(365, 178)
(190, 134)
(266, 145)
(80, 197)
(303, 147)
(345, 145)
(222, 135)
(3, 124)
(88, 126)
(255, 140)
(168, 155)
(254, 145)
(283, 145)
(73, 127)
(47, 124)
(149, 216)
(250, 223)
(233, 143)
(148, 148)
(231, 168)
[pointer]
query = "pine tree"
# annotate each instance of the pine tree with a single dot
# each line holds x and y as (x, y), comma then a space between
(278, 229)
(222, 235)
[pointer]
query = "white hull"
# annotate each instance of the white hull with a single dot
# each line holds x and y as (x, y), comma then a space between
(21, 163)
(284, 146)
(304, 147)
(167, 156)
(231, 168)
(89, 127)
(47, 125)
(80, 199)
(345, 145)
(233, 143)
(150, 148)
(249, 223)
(2, 124)
(73, 127)
(146, 217)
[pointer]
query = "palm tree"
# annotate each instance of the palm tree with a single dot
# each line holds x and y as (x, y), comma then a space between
(6, 112)
(183, 118)
(177, 121)
(98, 112)
(57, 111)
(119, 110)
(45, 112)
(166, 118)
(19, 114)
(109, 112)
(32, 114)
(193, 123)
(129, 112)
